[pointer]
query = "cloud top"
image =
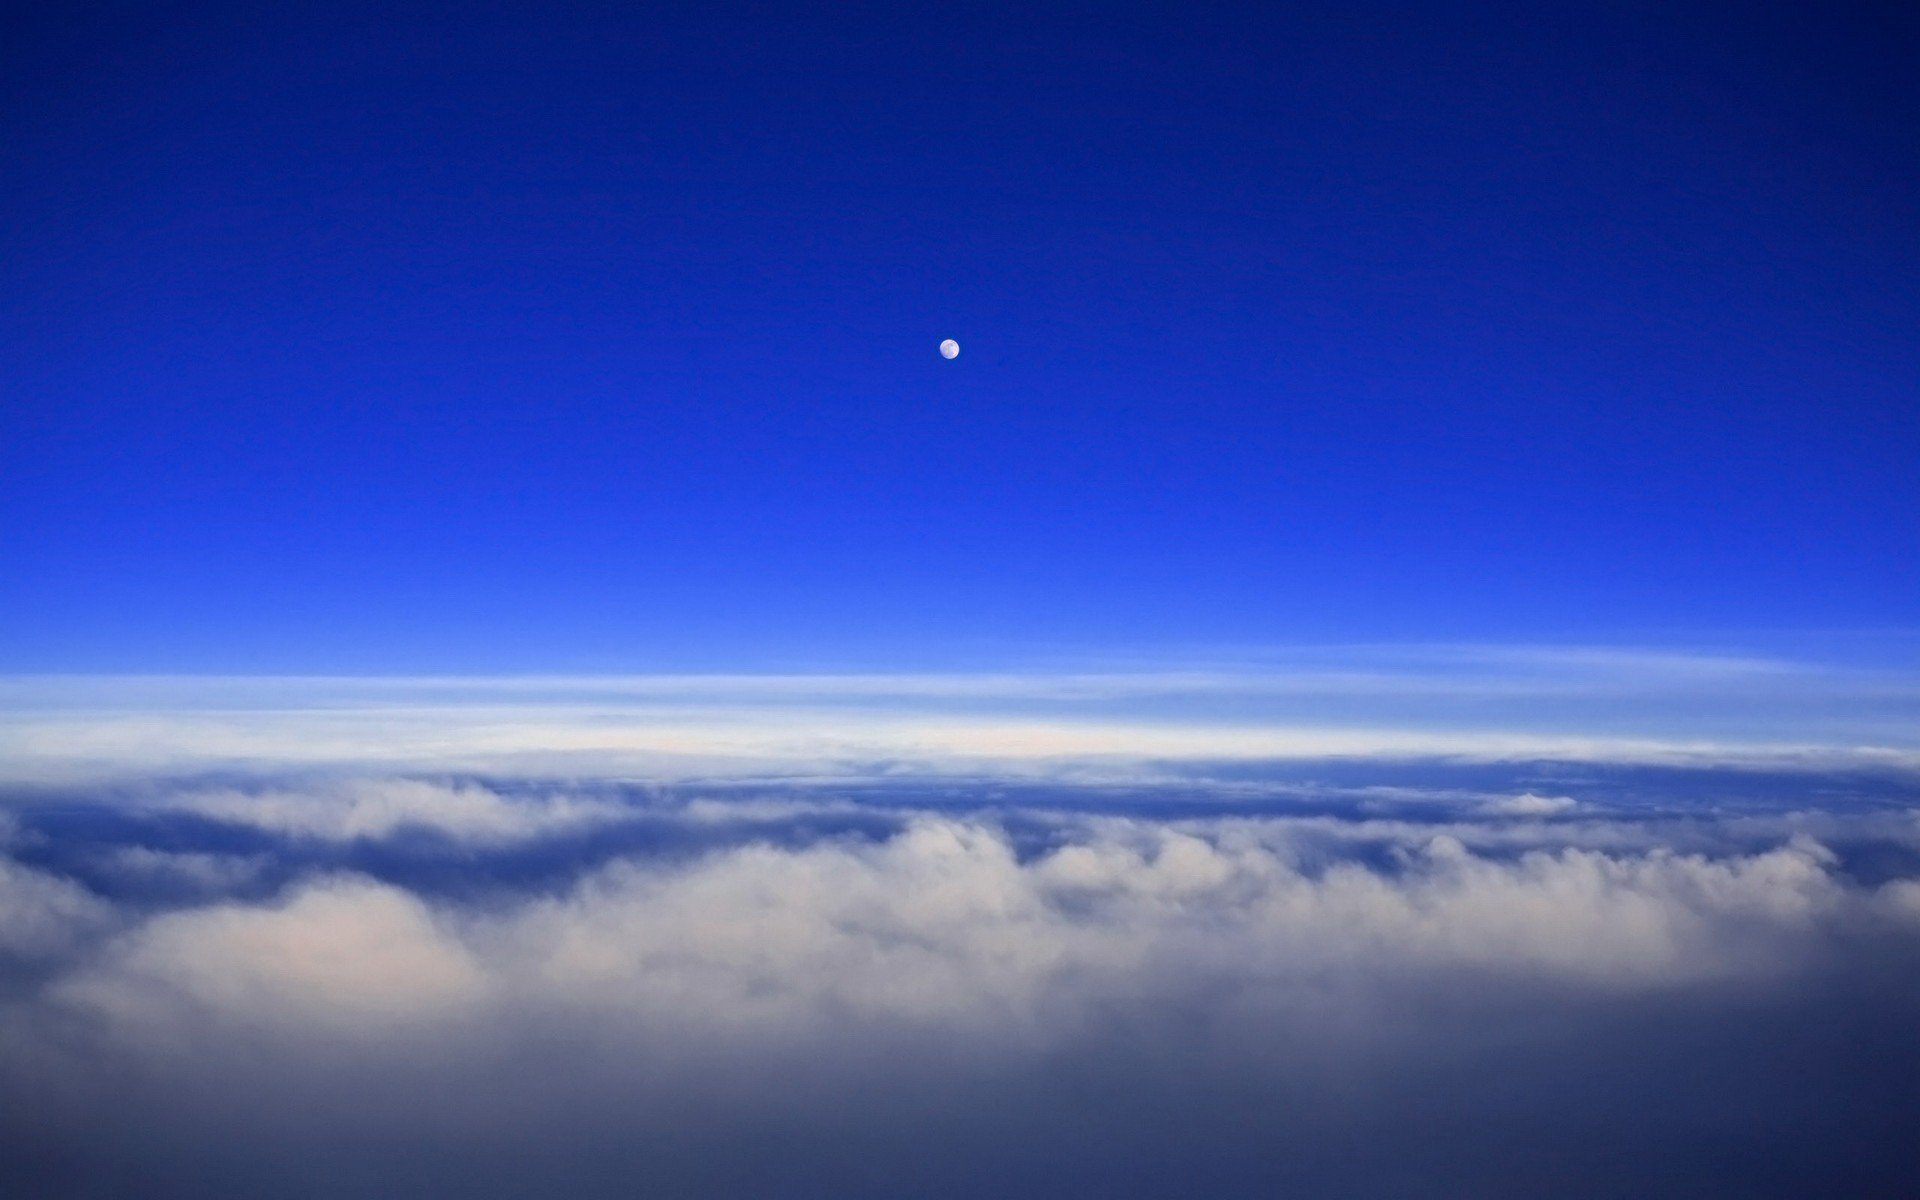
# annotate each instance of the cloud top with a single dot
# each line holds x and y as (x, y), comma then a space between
(415, 985)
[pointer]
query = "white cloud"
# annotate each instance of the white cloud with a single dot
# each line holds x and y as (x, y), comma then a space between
(1472, 703)
(1529, 804)
(813, 987)
(945, 925)
(692, 743)
(374, 808)
(343, 957)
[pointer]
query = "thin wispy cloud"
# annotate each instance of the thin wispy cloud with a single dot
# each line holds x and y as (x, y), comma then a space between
(1479, 703)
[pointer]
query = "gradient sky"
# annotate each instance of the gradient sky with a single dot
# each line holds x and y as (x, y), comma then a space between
(399, 338)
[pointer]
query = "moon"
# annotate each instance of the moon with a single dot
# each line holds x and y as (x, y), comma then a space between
(949, 349)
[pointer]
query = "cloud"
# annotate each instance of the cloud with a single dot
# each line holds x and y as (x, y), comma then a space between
(376, 808)
(1527, 804)
(946, 923)
(343, 957)
(42, 915)
(188, 870)
(886, 990)
(1489, 704)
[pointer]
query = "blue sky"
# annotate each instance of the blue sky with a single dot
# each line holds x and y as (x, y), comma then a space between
(399, 340)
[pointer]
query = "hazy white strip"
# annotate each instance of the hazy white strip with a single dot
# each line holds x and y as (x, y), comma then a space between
(1469, 702)
(685, 741)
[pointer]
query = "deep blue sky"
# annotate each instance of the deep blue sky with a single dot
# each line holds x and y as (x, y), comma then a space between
(341, 338)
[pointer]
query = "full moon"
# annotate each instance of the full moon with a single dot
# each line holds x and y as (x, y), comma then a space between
(949, 349)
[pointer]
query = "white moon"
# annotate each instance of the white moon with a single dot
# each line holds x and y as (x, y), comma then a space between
(949, 349)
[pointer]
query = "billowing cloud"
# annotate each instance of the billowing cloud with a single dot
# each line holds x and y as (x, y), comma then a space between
(374, 808)
(340, 957)
(421, 985)
(1528, 804)
(945, 924)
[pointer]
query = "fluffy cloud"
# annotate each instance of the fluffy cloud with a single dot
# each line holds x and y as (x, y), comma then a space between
(1527, 804)
(340, 957)
(377, 808)
(803, 994)
(945, 924)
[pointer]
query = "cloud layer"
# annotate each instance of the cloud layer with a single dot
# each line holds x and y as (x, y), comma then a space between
(416, 985)
(1488, 704)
